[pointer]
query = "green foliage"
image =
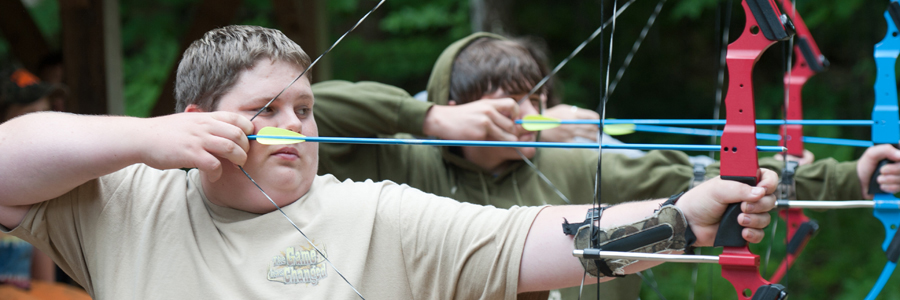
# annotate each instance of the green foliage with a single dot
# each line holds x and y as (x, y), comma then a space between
(44, 14)
(692, 9)
(409, 20)
(417, 32)
(150, 42)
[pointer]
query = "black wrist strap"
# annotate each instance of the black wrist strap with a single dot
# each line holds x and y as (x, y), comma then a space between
(592, 214)
(689, 236)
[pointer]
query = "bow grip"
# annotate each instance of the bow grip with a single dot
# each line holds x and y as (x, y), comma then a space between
(729, 233)
(893, 250)
(771, 292)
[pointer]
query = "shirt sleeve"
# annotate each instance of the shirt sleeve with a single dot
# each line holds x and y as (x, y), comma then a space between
(366, 109)
(656, 175)
(824, 179)
(77, 226)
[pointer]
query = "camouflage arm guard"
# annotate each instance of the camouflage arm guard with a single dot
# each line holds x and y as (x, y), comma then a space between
(666, 230)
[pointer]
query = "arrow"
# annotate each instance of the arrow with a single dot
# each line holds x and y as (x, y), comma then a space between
(278, 136)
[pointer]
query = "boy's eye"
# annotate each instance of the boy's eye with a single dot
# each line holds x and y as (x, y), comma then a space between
(264, 110)
(304, 112)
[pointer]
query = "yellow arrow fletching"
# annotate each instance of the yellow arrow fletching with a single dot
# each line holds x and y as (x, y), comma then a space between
(538, 122)
(618, 129)
(274, 131)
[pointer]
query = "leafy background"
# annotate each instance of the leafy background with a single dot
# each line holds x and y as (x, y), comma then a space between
(673, 75)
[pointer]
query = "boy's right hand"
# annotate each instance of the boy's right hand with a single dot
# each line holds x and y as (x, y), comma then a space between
(194, 140)
(889, 180)
(486, 119)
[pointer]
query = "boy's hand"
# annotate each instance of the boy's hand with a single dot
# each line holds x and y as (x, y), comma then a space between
(889, 180)
(487, 119)
(568, 133)
(704, 206)
(195, 140)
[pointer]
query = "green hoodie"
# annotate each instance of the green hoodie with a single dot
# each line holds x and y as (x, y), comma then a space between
(369, 109)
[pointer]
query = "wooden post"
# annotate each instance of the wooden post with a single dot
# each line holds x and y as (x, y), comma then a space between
(112, 46)
(84, 55)
(304, 21)
(209, 15)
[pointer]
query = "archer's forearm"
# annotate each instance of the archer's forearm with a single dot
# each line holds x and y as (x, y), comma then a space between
(547, 261)
(47, 154)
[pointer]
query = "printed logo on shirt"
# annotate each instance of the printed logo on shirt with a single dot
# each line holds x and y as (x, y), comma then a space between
(297, 265)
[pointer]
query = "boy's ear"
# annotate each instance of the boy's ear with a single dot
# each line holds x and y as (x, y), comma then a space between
(193, 108)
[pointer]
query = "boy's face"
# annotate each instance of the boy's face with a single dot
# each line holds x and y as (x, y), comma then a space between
(285, 172)
(532, 106)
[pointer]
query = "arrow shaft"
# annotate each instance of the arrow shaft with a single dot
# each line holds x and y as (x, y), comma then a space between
(381, 141)
(704, 122)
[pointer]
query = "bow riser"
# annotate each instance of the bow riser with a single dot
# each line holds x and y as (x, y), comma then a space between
(739, 161)
(884, 131)
(765, 25)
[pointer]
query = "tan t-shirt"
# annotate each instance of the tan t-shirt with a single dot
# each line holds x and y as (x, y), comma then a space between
(146, 233)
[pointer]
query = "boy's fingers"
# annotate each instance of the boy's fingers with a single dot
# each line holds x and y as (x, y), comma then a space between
(735, 192)
(890, 169)
(506, 107)
(496, 133)
(768, 180)
(753, 235)
(235, 119)
(503, 126)
(754, 220)
(890, 188)
(210, 165)
(226, 149)
(763, 205)
(888, 179)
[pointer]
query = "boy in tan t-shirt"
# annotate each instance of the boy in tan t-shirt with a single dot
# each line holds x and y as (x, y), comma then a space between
(114, 178)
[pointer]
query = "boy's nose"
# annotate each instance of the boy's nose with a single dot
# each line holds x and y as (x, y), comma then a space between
(292, 122)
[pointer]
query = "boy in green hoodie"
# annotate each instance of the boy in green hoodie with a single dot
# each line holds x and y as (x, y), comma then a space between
(473, 92)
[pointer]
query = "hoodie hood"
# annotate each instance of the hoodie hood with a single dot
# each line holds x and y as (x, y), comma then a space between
(439, 93)
(439, 82)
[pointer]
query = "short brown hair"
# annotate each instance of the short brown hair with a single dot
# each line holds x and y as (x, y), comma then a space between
(212, 64)
(488, 64)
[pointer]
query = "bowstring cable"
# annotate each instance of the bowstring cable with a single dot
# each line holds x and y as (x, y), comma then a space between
(636, 46)
(787, 100)
(577, 50)
(547, 77)
(267, 106)
(318, 58)
(604, 99)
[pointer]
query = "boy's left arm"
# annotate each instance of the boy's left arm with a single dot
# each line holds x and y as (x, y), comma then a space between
(547, 261)
(829, 179)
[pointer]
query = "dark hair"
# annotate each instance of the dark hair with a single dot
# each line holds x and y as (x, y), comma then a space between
(489, 64)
